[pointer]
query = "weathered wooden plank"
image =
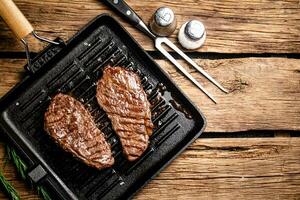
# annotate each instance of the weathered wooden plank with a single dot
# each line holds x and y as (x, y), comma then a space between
(264, 92)
(232, 26)
(231, 169)
(248, 168)
(10, 73)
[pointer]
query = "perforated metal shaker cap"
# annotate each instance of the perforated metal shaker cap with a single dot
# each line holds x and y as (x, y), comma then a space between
(192, 34)
(194, 29)
(163, 22)
(164, 16)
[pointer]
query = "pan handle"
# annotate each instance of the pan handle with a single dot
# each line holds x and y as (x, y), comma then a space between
(15, 19)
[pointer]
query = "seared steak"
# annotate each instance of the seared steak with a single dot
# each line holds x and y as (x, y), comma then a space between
(121, 95)
(72, 126)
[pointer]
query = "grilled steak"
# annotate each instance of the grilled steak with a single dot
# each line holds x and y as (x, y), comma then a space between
(72, 126)
(121, 95)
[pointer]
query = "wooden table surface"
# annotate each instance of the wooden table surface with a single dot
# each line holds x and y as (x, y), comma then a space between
(251, 146)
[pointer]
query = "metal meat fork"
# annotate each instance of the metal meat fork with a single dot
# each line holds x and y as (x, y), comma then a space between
(126, 12)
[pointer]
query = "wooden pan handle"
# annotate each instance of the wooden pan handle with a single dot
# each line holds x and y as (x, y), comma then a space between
(15, 19)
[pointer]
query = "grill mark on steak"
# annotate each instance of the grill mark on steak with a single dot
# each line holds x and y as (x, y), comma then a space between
(130, 135)
(135, 99)
(127, 111)
(121, 98)
(122, 120)
(73, 128)
(121, 95)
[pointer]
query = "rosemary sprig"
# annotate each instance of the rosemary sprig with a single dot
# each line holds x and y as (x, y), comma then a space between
(20, 165)
(9, 189)
(22, 168)
(43, 193)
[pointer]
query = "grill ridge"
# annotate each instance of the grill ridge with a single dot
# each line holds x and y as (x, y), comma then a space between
(95, 55)
(90, 46)
(60, 75)
(100, 182)
(32, 99)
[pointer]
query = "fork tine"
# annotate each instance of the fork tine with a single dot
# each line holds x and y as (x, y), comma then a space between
(191, 62)
(188, 75)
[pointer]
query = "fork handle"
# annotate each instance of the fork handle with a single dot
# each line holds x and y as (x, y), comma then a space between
(128, 14)
(124, 10)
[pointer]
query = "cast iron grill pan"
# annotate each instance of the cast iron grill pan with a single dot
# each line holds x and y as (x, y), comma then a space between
(74, 70)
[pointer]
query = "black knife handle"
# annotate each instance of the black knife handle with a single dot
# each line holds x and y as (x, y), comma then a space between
(124, 10)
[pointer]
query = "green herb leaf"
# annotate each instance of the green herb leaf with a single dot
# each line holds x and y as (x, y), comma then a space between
(22, 169)
(9, 189)
(43, 193)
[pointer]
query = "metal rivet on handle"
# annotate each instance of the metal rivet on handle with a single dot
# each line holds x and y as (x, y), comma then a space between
(128, 12)
(116, 1)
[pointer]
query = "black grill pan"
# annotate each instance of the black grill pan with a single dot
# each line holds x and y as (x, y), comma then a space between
(73, 69)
